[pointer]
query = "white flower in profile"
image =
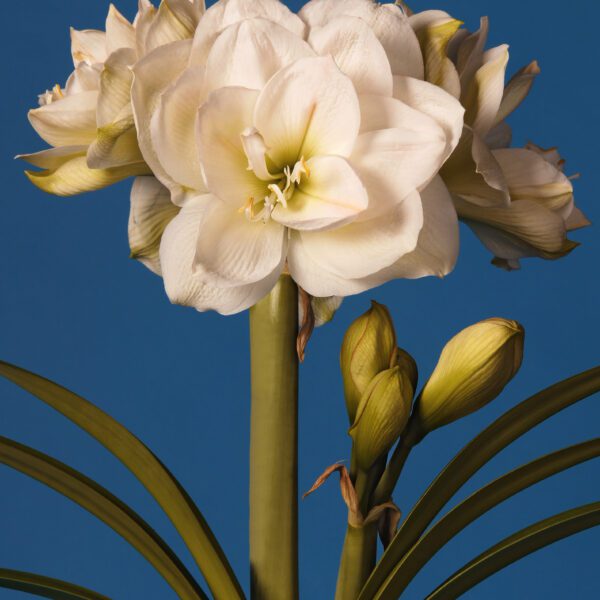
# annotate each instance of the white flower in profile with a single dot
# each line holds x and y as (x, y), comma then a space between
(303, 144)
(517, 200)
(89, 123)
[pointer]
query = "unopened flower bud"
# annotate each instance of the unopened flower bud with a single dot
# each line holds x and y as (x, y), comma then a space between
(382, 416)
(407, 365)
(473, 369)
(366, 351)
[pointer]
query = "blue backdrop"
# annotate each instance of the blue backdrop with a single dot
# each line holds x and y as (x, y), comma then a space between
(73, 307)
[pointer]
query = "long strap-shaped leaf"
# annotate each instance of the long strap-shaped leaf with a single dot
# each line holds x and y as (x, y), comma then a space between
(45, 587)
(472, 457)
(517, 546)
(167, 491)
(102, 504)
(477, 504)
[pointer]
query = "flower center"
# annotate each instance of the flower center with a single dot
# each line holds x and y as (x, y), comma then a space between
(279, 192)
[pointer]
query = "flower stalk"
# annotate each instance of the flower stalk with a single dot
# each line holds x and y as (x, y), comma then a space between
(273, 444)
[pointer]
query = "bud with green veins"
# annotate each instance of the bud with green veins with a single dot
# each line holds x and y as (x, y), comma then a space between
(382, 415)
(473, 369)
(367, 349)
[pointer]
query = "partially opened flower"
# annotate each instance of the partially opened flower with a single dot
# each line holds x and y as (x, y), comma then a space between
(89, 123)
(302, 147)
(518, 203)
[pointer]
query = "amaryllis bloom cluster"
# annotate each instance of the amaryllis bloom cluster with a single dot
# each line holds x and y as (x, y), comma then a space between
(335, 145)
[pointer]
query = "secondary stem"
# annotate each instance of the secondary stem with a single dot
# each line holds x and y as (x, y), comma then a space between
(273, 445)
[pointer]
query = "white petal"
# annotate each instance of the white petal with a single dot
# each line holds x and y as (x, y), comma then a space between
(484, 95)
(517, 89)
(388, 22)
(234, 251)
(434, 102)
(177, 251)
(359, 249)
(224, 13)
(119, 31)
(168, 26)
(152, 76)
(173, 129)
(392, 163)
(438, 244)
(53, 157)
(356, 51)
(221, 121)
(308, 109)
(470, 53)
(115, 86)
(84, 78)
(115, 145)
(151, 211)
(330, 195)
(250, 52)
(70, 121)
(88, 46)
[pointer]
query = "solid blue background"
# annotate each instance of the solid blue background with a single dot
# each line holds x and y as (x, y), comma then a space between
(74, 308)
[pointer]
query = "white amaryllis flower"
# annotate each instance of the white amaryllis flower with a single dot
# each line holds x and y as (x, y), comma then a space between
(89, 123)
(517, 201)
(306, 144)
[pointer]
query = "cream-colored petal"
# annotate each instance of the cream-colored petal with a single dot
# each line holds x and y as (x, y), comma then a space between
(152, 76)
(393, 163)
(233, 251)
(115, 86)
(470, 52)
(438, 244)
(361, 249)
(524, 219)
(221, 121)
(70, 121)
(85, 78)
(88, 46)
(75, 177)
(329, 195)
(324, 309)
(517, 90)
(177, 252)
(53, 157)
(499, 136)
(250, 52)
(150, 212)
(434, 102)
(387, 21)
(483, 96)
(174, 129)
(115, 145)
(224, 13)
(307, 109)
(434, 36)
(119, 31)
(167, 27)
(356, 51)
(473, 173)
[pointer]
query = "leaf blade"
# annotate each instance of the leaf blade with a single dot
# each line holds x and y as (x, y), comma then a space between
(106, 507)
(509, 427)
(45, 587)
(477, 504)
(528, 540)
(148, 469)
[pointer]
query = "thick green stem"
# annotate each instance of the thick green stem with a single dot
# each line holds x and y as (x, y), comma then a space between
(273, 445)
(360, 544)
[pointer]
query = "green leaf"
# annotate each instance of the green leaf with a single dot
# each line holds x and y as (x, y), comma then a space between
(45, 587)
(167, 491)
(102, 504)
(477, 504)
(517, 546)
(502, 432)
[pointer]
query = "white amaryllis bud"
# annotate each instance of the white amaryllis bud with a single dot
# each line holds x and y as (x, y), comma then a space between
(382, 416)
(474, 367)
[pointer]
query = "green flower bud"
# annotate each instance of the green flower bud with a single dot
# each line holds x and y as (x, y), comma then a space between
(382, 416)
(473, 369)
(407, 365)
(366, 351)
